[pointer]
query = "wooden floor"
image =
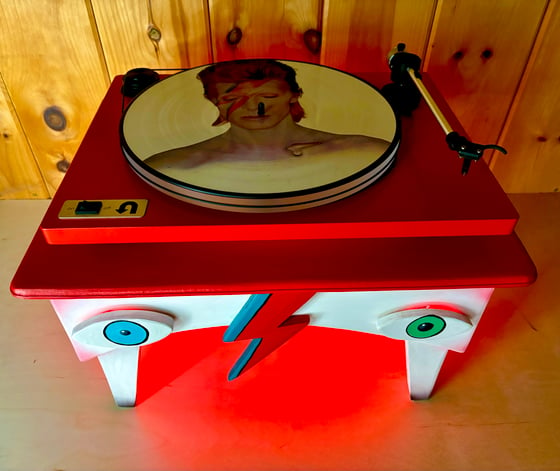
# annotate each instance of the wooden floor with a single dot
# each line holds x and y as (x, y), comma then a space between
(327, 400)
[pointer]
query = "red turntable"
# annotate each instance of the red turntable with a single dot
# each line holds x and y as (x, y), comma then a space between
(267, 196)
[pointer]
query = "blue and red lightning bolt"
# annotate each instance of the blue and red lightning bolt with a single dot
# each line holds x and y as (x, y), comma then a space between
(267, 320)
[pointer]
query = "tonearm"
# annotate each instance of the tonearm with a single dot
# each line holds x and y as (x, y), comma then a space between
(405, 92)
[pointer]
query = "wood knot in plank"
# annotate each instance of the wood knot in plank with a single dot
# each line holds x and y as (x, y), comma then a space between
(234, 37)
(54, 118)
(458, 55)
(486, 54)
(62, 165)
(312, 40)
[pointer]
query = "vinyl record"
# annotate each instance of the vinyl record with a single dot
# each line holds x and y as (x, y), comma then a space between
(260, 135)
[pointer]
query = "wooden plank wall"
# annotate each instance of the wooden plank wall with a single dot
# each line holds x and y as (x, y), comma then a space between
(496, 63)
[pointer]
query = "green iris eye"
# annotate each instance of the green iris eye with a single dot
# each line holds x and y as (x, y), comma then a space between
(425, 327)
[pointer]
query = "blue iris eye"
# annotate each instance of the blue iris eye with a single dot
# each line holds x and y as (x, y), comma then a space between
(125, 333)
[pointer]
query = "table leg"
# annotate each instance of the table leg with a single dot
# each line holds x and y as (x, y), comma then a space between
(423, 363)
(121, 370)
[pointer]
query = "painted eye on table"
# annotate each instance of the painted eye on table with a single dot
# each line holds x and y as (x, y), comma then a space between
(426, 326)
(125, 332)
(423, 324)
(124, 328)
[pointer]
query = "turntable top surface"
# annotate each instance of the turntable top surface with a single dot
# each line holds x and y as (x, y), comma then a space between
(423, 195)
(423, 226)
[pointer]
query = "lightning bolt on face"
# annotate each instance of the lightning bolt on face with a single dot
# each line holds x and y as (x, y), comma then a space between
(254, 105)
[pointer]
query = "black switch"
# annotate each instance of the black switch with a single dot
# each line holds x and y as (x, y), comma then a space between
(89, 207)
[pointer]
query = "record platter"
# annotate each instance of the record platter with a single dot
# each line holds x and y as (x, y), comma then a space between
(260, 160)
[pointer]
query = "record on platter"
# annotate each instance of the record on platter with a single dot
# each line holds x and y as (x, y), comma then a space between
(260, 135)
